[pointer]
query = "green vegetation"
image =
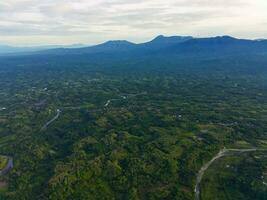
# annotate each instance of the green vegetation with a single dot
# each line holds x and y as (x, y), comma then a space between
(3, 162)
(149, 142)
(241, 176)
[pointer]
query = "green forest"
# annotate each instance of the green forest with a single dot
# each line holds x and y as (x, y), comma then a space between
(83, 132)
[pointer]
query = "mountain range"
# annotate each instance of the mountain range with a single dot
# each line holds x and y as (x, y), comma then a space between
(175, 45)
(162, 51)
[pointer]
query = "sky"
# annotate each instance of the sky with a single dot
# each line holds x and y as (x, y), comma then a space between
(43, 22)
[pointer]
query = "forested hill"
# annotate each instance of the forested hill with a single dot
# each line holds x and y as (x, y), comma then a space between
(169, 54)
(181, 46)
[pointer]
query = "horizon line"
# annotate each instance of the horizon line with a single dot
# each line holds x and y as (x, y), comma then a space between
(126, 40)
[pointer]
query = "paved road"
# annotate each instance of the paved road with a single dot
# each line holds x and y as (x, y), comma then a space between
(110, 100)
(52, 120)
(8, 167)
(222, 153)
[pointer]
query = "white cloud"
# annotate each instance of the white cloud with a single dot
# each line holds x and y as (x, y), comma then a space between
(92, 21)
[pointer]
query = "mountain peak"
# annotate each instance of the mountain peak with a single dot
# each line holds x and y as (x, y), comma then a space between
(118, 43)
(159, 37)
(165, 40)
(162, 38)
(226, 37)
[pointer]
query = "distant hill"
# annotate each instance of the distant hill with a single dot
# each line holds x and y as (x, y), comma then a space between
(180, 46)
(7, 49)
(109, 46)
(4, 49)
(123, 46)
(175, 46)
(161, 41)
(217, 47)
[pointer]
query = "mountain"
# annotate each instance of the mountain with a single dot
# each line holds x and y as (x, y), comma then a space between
(123, 46)
(109, 46)
(186, 46)
(114, 45)
(217, 47)
(175, 47)
(161, 41)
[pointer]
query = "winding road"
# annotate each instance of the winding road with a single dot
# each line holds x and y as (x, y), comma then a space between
(8, 167)
(110, 100)
(10, 163)
(59, 112)
(222, 153)
(52, 120)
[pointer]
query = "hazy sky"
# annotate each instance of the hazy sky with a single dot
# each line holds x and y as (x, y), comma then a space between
(34, 22)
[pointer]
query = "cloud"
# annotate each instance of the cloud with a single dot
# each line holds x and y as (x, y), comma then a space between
(93, 21)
